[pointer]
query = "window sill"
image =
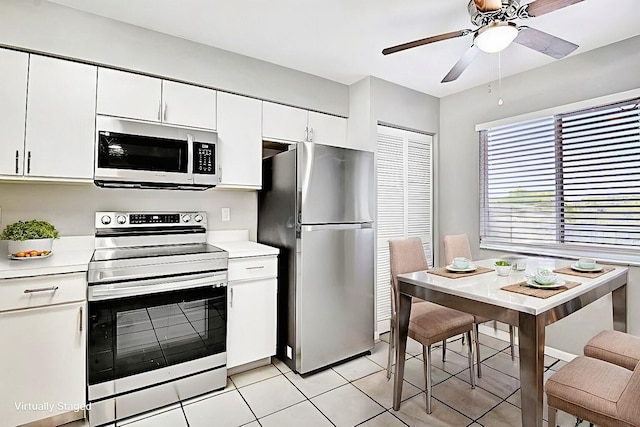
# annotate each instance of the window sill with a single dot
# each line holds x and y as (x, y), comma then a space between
(603, 256)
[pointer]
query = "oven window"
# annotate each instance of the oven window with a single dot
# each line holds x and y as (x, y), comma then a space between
(120, 151)
(138, 334)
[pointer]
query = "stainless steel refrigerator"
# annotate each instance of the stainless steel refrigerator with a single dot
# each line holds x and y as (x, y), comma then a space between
(316, 206)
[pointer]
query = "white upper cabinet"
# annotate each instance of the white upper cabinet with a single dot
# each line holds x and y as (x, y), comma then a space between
(328, 130)
(188, 105)
(123, 94)
(282, 123)
(13, 105)
(60, 127)
(239, 141)
(134, 96)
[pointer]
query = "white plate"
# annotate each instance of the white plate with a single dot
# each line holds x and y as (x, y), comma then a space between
(461, 270)
(31, 258)
(596, 269)
(534, 284)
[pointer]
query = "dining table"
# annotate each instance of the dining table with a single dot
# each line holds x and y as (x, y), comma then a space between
(482, 293)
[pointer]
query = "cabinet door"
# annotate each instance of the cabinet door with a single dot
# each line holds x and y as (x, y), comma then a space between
(327, 130)
(239, 141)
(251, 327)
(188, 105)
(283, 123)
(61, 108)
(13, 104)
(43, 360)
(129, 95)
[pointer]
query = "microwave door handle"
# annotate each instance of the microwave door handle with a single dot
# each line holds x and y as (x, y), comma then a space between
(190, 161)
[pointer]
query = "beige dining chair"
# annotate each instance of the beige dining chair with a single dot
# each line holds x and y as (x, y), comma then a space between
(615, 347)
(595, 391)
(457, 245)
(428, 323)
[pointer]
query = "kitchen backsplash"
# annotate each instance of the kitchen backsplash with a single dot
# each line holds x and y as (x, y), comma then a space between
(71, 207)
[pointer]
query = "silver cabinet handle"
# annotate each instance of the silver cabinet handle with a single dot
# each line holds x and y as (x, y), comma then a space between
(306, 134)
(81, 319)
(159, 110)
(17, 159)
(231, 297)
(310, 134)
(50, 289)
(254, 268)
(164, 114)
(29, 162)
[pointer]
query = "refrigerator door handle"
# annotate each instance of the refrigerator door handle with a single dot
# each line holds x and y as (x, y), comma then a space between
(321, 227)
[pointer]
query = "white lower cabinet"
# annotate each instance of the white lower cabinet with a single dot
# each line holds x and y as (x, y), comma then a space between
(42, 364)
(251, 299)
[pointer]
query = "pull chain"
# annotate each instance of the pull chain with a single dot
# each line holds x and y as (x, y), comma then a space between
(500, 101)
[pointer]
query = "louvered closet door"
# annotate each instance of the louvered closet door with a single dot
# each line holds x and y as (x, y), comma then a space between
(404, 203)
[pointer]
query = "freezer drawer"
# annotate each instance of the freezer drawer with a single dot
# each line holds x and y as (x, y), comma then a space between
(334, 294)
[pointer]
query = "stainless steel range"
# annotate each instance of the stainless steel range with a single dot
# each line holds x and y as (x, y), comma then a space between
(157, 313)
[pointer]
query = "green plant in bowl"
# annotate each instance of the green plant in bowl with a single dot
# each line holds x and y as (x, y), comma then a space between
(503, 267)
(32, 238)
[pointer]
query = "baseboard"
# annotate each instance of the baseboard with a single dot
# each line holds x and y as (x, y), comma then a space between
(504, 336)
(248, 366)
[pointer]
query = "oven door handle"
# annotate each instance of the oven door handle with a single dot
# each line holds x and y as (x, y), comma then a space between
(152, 286)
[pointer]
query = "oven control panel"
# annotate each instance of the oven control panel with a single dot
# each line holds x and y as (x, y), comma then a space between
(149, 219)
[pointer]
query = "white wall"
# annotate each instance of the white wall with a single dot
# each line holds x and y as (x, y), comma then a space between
(71, 207)
(375, 101)
(48, 27)
(590, 75)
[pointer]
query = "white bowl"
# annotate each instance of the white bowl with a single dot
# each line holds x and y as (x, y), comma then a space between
(460, 262)
(546, 278)
(15, 246)
(586, 263)
(503, 270)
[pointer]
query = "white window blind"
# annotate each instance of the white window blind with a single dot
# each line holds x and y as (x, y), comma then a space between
(404, 203)
(569, 181)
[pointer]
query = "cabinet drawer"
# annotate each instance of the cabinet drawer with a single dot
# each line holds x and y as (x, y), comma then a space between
(70, 287)
(253, 267)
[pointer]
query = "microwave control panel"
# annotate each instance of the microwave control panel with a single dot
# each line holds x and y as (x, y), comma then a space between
(204, 158)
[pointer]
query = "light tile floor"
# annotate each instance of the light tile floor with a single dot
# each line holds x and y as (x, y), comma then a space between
(357, 393)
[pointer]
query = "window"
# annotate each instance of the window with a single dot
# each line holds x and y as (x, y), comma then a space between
(404, 203)
(569, 182)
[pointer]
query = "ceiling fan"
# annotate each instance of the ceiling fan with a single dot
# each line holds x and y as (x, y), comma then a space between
(496, 31)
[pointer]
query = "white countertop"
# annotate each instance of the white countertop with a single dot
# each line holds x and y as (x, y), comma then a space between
(238, 245)
(242, 249)
(486, 287)
(68, 255)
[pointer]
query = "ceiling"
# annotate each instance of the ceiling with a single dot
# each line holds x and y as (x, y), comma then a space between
(342, 40)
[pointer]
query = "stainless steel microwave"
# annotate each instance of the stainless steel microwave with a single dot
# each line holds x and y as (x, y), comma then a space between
(132, 154)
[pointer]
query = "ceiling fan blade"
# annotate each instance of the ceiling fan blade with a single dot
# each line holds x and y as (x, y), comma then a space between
(488, 5)
(540, 7)
(428, 40)
(462, 64)
(545, 43)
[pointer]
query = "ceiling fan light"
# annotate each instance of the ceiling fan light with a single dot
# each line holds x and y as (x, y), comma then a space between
(496, 36)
